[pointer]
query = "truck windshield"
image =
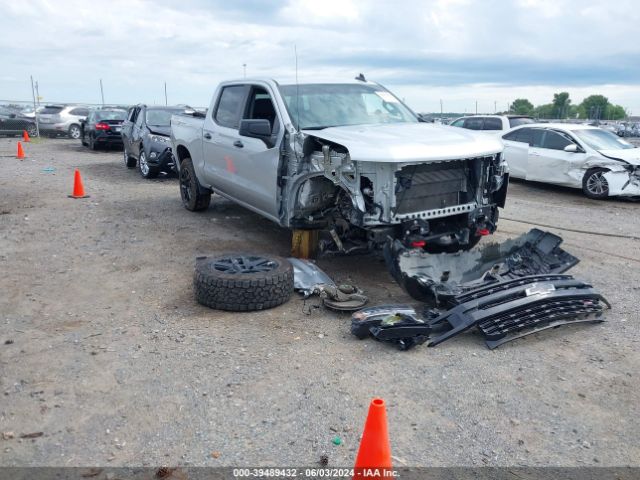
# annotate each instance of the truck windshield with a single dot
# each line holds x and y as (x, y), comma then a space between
(318, 106)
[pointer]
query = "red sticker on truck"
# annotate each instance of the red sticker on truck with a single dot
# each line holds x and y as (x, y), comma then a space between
(231, 168)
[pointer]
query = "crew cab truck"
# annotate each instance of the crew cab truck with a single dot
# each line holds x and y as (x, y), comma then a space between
(349, 158)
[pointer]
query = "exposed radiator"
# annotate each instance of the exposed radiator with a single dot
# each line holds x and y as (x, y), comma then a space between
(430, 186)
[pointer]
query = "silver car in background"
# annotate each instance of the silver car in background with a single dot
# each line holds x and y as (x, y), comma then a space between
(579, 156)
(62, 119)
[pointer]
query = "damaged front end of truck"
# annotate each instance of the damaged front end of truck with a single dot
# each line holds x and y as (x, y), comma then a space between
(385, 185)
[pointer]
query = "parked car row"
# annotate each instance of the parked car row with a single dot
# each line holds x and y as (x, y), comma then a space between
(573, 155)
(628, 129)
(143, 132)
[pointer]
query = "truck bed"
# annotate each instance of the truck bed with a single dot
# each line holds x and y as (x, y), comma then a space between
(186, 129)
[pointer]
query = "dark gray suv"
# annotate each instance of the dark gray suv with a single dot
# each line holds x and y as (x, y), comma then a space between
(146, 138)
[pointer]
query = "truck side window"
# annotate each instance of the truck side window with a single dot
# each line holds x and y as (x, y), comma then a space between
(260, 106)
(473, 123)
(227, 113)
(491, 123)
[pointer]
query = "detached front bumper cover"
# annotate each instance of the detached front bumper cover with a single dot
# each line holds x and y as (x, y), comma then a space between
(508, 291)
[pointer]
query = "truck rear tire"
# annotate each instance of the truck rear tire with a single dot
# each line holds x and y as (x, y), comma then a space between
(190, 190)
(240, 282)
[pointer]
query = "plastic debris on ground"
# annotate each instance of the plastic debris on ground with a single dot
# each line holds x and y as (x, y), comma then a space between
(506, 290)
(309, 280)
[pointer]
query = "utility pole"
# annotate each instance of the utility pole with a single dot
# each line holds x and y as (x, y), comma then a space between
(476, 107)
(441, 111)
(102, 92)
(33, 93)
(165, 94)
(495, 106)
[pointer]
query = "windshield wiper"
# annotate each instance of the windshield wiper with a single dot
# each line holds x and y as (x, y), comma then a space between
(319, 127)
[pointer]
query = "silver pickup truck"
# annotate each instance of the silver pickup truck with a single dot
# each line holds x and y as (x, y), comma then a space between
(349, 158)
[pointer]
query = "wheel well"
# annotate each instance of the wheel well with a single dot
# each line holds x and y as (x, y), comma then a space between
(590, 170)
(182, 153)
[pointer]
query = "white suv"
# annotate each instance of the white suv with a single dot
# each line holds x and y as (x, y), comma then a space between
(62, 120)
(495, 123)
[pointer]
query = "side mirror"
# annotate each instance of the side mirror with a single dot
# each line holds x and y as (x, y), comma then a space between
(573, 148)
(257, 128)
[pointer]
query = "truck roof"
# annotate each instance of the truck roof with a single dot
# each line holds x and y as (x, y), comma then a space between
(289, 83)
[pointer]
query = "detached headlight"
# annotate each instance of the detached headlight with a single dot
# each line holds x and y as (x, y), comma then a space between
(160, 139)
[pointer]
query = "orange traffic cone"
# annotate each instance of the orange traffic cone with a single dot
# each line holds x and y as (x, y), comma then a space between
(20, 154)
(25, 136)
(374, 454)
(78, 189)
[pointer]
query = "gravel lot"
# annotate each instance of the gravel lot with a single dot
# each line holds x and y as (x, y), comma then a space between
(105, 351)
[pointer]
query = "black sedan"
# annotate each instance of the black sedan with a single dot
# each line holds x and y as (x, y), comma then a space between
(102, 127)
(13, 123)
(146, 138)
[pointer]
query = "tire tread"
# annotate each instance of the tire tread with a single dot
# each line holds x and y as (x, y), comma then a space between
(255, 291)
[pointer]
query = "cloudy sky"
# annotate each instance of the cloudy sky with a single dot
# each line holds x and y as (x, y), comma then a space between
(457, 51)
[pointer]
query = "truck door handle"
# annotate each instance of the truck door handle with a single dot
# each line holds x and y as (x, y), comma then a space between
(207, 136)
(238, 144)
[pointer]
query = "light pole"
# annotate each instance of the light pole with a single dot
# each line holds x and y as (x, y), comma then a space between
(35, 113)
(244, 68)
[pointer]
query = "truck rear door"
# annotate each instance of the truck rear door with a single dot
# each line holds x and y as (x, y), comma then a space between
(242, 168)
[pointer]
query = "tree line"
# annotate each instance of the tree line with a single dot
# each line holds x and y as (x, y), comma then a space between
(595, 107)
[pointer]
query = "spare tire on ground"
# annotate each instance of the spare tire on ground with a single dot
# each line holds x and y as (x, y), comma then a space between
(241, 282)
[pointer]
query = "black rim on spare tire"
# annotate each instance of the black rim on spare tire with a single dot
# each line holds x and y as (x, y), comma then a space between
(244, 264)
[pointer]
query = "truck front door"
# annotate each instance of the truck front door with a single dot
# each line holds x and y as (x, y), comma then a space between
(242, 168)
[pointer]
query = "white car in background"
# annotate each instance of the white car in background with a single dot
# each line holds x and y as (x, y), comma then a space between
(579, 156)
(491, 123)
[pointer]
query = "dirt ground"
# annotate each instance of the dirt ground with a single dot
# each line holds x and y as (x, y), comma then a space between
(104, 350)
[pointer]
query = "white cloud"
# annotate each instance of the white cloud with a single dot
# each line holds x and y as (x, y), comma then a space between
(427, 49)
